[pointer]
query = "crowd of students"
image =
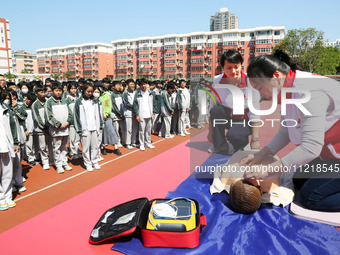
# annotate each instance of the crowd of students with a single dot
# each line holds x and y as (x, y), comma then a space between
(48, 121)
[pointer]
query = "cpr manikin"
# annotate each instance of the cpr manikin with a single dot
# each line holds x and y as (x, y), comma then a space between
(247, 195)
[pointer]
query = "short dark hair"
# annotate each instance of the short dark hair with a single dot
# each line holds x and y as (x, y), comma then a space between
(31, 96)
(129, 80)
(56, 85)
(71, 84)
(232, 56)
(143, 81)
(39, 88)
(106, 80)
(170, 85)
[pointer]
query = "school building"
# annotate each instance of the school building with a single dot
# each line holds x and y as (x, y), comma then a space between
(5, 47)
(194, 55)
(89, 60)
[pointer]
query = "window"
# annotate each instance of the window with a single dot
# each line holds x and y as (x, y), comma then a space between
(230, 43)
(252, 34)
(242, 42)
(170, 54)
(219, 44)
(243, 34)
(276, 41)
(242, 51)
(262, 50)
(277, 33)
(263, 41)
(251, 51)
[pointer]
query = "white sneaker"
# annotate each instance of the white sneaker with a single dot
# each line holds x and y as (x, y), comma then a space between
(142, 148)
(67, 167)
(96, 166)
(186, 132)
(22, 188)
(169, 137)
(149, 145)
(89, 169)
(119, 145)
(100, 159)
(23, 179)
(135, 145)
(129, 147)
(182, 135)
(46, 167)
(60, 170)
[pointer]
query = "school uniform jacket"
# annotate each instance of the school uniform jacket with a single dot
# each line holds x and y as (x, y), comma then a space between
(157, 98)
(80, 121)
(183, 96)
(38, 112)
(128, 98)
(24, 114)
(117, 105)
(71, 102)
(10, 128)
(138, 104)
(167, 105)
(57, 113)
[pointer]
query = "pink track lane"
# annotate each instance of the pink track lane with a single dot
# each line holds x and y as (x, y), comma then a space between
(65, 229)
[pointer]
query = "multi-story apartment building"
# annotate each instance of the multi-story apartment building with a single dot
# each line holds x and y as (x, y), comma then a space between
(223, 20)
(192, 55)
(333, 44)
(5, 47)
(23, 60)
(89, 60)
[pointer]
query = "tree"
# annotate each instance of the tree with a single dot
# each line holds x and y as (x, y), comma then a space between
(25, 71)
(67, 75)
(10, 76)
(36, 78)
(304, 46)
(55, 76)
(328, 61)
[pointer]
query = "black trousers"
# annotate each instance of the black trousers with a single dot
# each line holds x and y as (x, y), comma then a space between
(238, 131)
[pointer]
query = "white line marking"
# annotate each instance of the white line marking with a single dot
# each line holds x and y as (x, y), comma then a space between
(76, 175)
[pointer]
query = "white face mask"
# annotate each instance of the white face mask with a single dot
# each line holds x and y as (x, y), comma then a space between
(96, 95)
(25, 91)
(6, 101)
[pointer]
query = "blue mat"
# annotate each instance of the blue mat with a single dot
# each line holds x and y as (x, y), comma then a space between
(271, 230)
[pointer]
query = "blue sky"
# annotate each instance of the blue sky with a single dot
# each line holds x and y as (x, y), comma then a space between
(42, 24)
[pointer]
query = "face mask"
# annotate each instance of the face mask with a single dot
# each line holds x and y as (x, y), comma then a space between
(96, 95)
(25, 91)
(6, 101)
(48, 94)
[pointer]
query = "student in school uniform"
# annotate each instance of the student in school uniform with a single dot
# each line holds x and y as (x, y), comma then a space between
(58, 117)
(143, 109)
(74, 139)
(29, 127)
(117, 114)
(167, 110)
(40, 128)
(88, 122)
(109, 136)
(130, 120)
(8, 149)
(183, 96)
(19, 116)
(156, 90)
(175, 116)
